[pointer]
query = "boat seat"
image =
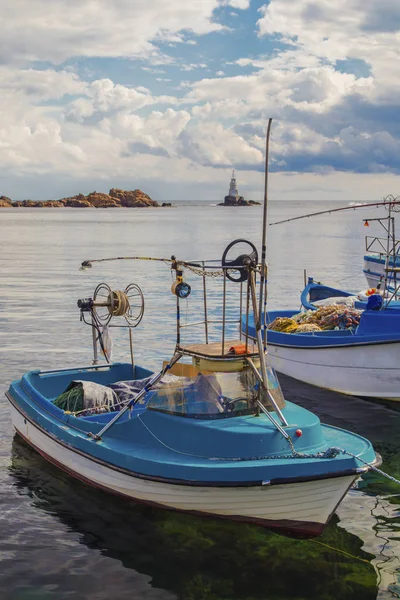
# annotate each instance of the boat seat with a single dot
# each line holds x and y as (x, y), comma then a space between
(214, 350)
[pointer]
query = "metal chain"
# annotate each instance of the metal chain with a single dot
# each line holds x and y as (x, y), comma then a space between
(205, 272)
(210, 272)
(329, 453)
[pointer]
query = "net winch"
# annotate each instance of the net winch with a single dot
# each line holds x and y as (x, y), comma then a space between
(107, 304)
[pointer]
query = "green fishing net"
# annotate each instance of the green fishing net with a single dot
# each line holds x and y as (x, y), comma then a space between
(72, 400)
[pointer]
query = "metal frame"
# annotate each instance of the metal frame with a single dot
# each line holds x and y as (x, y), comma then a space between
(389, 248)
(205, 268)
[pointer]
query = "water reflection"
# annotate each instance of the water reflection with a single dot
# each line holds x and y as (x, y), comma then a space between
(60, 539)
(187, 557)
(378, 525)
(372, 511)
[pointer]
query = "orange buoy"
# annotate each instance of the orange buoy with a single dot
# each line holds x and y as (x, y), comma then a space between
(371, 291)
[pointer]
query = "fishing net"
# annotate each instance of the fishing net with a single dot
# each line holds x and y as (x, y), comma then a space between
(307, 327)
(284, 325)
(83, 398)
(348, 301)
(88, 396)
(324, 319)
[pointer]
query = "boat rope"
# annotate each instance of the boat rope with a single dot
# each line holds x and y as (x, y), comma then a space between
(331, 452)
(386, 475)
(339, 550)
(121, 303)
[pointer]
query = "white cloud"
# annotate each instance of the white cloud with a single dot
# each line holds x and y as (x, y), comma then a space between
(103, 95)
(159, 130)
(40, 85)
(241, 4)
(54, 31)
(340, 31)
(55, 122)
(210, 144)
(314, 89)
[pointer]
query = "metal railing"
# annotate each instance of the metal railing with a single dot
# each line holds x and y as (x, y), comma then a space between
(379, 245)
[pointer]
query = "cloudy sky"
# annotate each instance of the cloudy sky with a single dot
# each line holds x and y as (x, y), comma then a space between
(169, 96)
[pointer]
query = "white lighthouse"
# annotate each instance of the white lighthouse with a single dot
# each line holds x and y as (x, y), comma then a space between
(233, 191)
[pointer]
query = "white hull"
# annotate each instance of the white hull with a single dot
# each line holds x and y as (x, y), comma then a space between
(370, 370)
(303, 507)
(375, 273)
(372, 279)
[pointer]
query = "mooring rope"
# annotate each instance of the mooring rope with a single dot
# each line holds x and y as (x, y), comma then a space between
(331, 452)
(340, 450)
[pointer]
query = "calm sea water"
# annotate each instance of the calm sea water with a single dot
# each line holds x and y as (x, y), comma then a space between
(60, 539)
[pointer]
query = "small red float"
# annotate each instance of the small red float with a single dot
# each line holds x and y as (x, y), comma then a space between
(299, 432)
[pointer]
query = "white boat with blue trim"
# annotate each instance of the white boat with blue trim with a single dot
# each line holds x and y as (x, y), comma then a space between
(359, 353)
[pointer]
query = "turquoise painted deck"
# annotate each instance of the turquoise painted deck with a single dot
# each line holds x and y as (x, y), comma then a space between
(239, 449)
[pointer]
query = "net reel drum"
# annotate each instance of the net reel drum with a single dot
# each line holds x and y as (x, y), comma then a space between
(106, 305)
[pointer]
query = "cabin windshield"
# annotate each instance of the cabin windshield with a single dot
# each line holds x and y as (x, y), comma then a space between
(213, 395)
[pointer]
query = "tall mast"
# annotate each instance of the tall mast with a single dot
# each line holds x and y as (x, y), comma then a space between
(264, 226)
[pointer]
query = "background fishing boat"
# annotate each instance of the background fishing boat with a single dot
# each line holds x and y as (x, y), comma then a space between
(359, 352)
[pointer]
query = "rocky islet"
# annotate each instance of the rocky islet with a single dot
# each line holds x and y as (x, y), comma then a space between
(116, 198)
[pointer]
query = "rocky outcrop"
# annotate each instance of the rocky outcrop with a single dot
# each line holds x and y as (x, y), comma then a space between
(240, 201)
(53, 204)
(76, 203)
(27, 204)
(243, 202)
(115, 199)
(100, 200)
(135, 198)
(230, 201)
(5, 202)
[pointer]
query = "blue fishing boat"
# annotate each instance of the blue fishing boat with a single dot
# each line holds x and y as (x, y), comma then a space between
(209, 432)
(359, 360)
(374, 268)
(351, 341)
(315, 294)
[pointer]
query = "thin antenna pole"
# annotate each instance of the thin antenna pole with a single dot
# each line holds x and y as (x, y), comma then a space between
(394, 260)
(332, 210)
(388, 240)
(264, 226)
